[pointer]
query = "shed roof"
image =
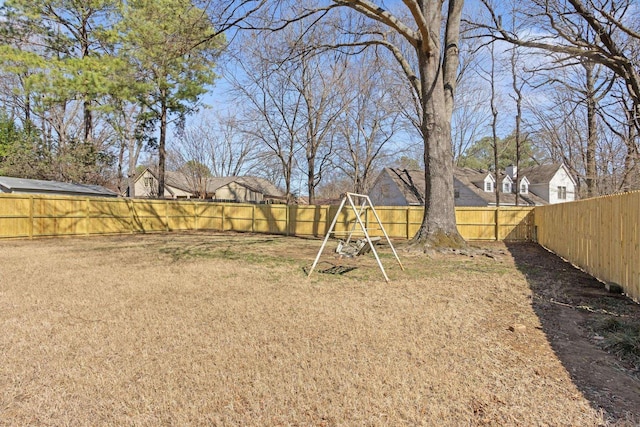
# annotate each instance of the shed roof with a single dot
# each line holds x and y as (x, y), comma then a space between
(36, 186)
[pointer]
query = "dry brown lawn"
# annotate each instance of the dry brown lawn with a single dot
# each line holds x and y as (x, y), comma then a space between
(226, 329)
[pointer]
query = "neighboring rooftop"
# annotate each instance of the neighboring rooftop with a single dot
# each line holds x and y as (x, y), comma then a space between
(411, 183)
(261, 185)
(36, 186)
(473, 179)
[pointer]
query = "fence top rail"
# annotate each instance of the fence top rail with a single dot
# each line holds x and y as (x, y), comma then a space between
(593, 199)
(493, 208)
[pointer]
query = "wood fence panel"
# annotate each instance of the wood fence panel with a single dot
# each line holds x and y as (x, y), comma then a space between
(414, 220)
(59, 216)
(393, 218)
(599, 235)
(515, 224)
(476, 223)
(270, 219)
(312, 220)
(181, 216)
(109, 216)
(238, 217)
(15, 220)
(149, 215)
(209, 216)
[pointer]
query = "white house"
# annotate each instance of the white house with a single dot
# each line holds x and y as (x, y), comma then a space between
(472, 187)
(553, 183)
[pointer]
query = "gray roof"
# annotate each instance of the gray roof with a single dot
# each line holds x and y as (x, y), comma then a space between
(541, 173)
(410, 182)
(473, 179)
(412, 186)
(257, 184)
(36, 186)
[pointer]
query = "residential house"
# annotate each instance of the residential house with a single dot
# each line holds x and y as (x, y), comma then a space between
(539, 185)
(553, 183)
(37, 186)
(242, 189)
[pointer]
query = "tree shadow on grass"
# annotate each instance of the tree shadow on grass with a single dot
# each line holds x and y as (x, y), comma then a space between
(572, 307)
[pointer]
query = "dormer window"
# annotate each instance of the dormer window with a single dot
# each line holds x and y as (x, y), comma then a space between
(489, 184)
(524, 185)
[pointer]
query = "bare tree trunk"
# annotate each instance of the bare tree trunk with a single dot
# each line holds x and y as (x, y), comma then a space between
(494, 125)
(120, 174)
(592, 128)
(517, 89)
(311, 179)
(631, 180)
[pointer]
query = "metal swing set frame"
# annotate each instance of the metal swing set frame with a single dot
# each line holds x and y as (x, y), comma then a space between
(344, 246)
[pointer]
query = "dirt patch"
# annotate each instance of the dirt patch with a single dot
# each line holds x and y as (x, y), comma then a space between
(227, 329)
(574, 310)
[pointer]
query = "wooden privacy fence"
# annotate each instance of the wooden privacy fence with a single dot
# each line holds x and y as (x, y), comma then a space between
(600, 235)
(37, 215)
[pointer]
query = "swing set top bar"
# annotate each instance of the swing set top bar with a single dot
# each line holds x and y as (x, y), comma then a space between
(348, 197)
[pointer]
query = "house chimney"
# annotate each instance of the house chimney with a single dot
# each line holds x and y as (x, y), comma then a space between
(512, 171)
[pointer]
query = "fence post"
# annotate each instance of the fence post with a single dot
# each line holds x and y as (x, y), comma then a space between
(253, 218)
(408, 217)
(222, 223)
(366, 219)
(327, 220)
(166, 215)
(31, 219)
(132, 217)
(195, 216)
(87, 216)
(287, 220)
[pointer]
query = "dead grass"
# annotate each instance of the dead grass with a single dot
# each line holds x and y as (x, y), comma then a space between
(220, 329)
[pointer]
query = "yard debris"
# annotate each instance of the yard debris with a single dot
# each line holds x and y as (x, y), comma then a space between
(517, 327)
(614, 288)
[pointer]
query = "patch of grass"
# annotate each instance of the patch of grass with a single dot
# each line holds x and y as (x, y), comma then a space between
(621, 337)
(234, 253)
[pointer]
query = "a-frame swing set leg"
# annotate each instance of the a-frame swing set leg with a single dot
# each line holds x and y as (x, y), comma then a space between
(329, 231)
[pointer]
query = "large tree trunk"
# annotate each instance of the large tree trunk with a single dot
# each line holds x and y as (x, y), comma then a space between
(438, 228)
(437, 83)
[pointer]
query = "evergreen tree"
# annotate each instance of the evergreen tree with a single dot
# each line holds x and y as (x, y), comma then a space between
(480, 154)
(170, 45)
